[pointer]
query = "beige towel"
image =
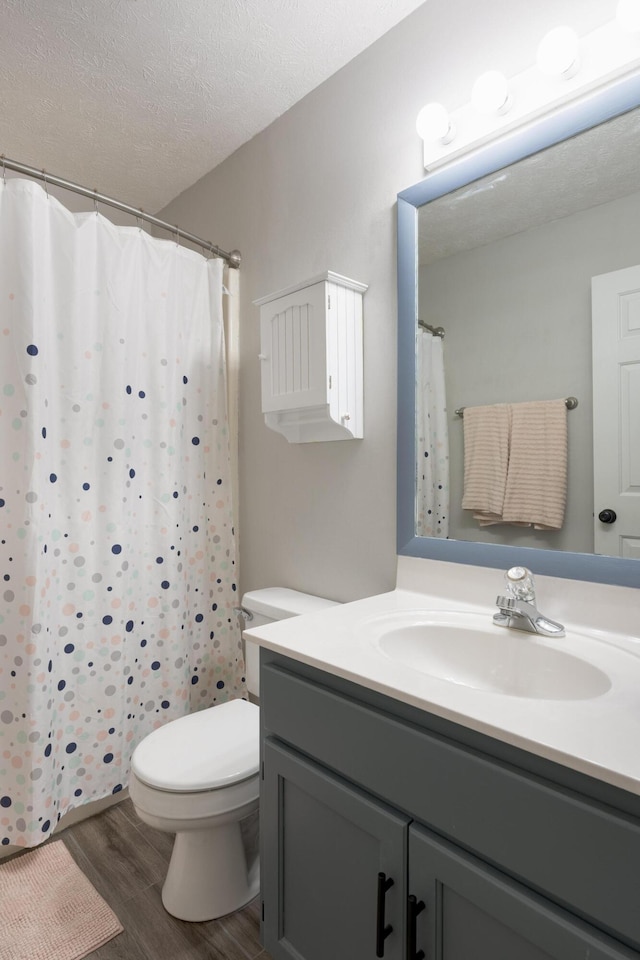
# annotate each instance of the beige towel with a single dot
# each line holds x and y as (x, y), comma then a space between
(515, 463)
(536, 489)
(486, 458)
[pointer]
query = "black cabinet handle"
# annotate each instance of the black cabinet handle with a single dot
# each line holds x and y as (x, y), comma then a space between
(607, 516)
(415, 907)
(382, 931)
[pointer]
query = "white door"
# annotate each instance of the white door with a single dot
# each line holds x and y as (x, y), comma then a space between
(616, 412)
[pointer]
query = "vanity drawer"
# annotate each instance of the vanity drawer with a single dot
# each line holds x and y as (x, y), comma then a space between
(583, 855)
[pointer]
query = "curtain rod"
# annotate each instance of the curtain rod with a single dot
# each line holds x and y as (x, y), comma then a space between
(436, 331)
(233, 259)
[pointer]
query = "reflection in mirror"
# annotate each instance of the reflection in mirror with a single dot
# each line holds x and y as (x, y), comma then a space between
(432, 436)
(525, 257)
(505, 269)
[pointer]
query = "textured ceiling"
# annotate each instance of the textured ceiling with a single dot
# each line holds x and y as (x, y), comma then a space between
(592, 168)
(140, 98)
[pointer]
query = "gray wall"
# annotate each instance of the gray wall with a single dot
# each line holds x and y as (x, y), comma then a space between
(515, 333)
(315, 191)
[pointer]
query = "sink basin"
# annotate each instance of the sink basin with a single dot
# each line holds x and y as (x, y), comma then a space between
(470, 650)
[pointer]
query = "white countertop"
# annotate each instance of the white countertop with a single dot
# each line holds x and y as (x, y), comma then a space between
(599, 736)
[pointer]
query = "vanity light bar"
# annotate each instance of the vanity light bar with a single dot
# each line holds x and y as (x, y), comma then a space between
(602, 57)
(570, 402)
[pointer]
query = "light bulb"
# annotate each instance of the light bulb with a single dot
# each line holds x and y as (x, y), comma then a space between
(558, 54)
(490, 93)
(628, 15)
(433, 124)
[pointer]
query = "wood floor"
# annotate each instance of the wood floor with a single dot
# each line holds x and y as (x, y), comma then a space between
(126, 861)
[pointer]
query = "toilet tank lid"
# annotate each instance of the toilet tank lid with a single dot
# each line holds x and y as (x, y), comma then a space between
(280, 602)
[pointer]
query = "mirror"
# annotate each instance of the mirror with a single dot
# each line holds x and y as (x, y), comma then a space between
(512, 334)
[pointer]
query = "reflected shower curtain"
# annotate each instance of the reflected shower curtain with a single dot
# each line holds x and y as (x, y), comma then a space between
(432, 439)
(116, 539)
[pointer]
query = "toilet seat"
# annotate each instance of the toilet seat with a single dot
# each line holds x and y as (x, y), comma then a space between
(205, 751)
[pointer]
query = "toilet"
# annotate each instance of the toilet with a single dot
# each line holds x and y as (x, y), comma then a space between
(197, 777)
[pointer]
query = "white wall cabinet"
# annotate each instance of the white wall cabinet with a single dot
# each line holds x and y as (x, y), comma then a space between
(311, 359)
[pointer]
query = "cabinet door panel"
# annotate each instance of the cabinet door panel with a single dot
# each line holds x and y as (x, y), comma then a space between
(475, 913)
(324, 844)
(294, 351)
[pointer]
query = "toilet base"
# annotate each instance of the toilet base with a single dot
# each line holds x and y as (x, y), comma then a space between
(208, 875)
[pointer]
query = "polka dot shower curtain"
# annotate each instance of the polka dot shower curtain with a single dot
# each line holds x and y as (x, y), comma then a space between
(116, 540)
(432, 439)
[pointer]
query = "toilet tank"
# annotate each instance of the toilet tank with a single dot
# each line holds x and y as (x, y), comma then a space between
(266, 606)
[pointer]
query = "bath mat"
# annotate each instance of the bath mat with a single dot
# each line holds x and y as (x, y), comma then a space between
(48, 908)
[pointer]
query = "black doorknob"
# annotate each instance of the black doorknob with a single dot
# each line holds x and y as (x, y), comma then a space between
(607, 516)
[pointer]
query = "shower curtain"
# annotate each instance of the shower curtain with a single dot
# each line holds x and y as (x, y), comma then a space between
(432, 439)
(116, 530)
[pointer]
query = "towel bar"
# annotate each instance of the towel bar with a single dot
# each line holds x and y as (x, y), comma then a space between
(570, 402)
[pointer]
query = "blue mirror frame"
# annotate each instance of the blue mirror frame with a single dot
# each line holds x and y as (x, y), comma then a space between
(567, 122)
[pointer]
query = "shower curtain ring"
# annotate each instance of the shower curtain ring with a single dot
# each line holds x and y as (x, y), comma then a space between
(4, 171)
(46, 185)
(177, 236)
(95, 201)
(139, 220)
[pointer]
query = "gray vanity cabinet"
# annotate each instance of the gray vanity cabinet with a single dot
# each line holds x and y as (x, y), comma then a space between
(493, 854)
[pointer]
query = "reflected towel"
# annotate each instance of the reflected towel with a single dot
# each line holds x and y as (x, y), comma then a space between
(486, 460)
(536, 488)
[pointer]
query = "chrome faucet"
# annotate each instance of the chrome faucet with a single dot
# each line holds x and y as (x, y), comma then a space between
(518, 608)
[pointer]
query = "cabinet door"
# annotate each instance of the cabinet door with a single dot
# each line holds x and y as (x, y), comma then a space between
(473, 912)
(293, 350)
(324, 845)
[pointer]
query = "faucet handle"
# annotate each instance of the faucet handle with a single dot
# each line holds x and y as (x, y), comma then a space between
(520, 583)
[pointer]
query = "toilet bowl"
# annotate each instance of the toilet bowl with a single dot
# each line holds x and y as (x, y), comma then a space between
(198, 777)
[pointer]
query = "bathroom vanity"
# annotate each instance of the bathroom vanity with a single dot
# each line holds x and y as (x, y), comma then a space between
(393, 825)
